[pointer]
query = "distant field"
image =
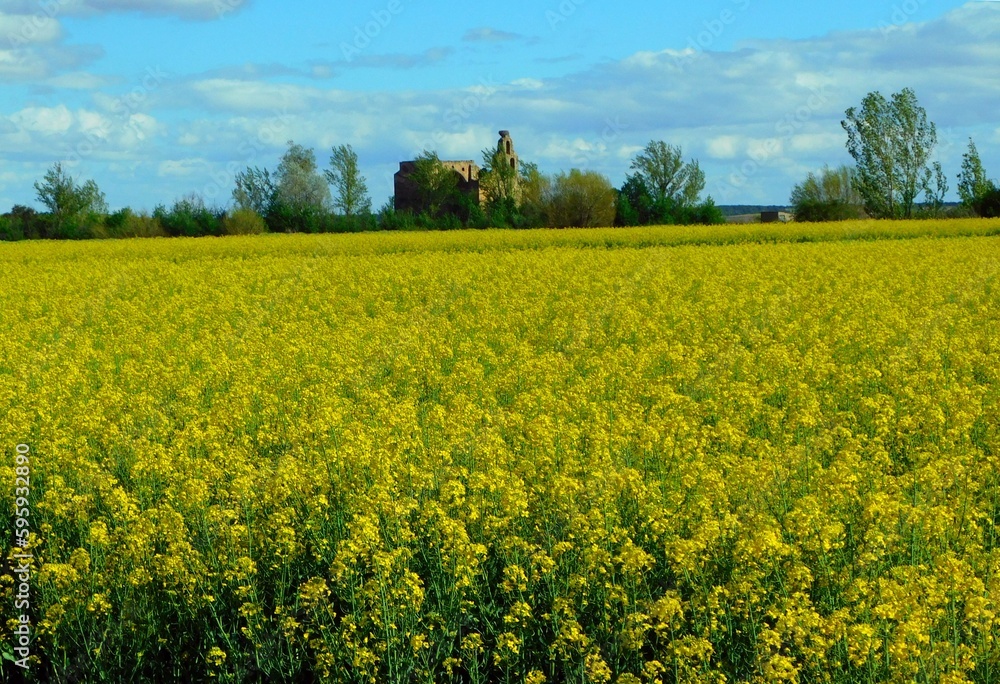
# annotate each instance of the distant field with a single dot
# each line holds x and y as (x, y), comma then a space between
(705, 454)
(493, 240)
(743, 218)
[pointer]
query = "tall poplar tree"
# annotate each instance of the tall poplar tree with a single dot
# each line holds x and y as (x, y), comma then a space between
(891, 142)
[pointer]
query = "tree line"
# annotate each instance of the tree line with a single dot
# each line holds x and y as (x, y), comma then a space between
(299, 196)
(891, 142)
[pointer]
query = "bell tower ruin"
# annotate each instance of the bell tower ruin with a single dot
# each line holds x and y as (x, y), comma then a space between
(506, 147)
(407, 194)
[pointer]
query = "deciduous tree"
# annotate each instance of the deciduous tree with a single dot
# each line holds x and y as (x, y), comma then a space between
(499, 180)
(255, 190)
(890, 142)
(935, 187)
(299, 185)
(829, 195)
(973, 184)
(437, 185)
(582, 199)
(71, 207)
(667, 177)
(351, 188)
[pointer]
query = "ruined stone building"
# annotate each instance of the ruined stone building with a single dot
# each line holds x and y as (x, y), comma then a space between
(506, 145)
(407, 195)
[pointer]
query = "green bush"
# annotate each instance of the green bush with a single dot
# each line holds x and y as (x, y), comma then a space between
(27, 223)
(125, 223)
(988, 204)
(390, 219)
(826, 210)
(76, 227)
(189, 217)
(244, 222)
(829, 195)
(636, 206)
(113, 225)
(289, 218)
(583, 199)
(143, 225)
(10, 230)
(707, 213)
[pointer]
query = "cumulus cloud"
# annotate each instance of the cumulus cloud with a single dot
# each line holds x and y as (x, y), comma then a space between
(32, 44)
(324, 70)
(185, 167)
(39, 62)
(249, 96)
(79, 80)
(19, 30)
(816, 142)
(724, 146)
(32, 40)
(398, 61)
(757, 117)
(187, 9)
(44, 120)
(60, 133)
(487, 34)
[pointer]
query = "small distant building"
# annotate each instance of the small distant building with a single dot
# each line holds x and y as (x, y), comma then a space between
(775, 217)
(407, 195)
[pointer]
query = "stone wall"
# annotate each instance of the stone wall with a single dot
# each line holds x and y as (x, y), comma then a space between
(407, 198)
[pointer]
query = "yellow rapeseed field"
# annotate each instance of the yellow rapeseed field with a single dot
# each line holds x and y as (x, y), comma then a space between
(582, 456)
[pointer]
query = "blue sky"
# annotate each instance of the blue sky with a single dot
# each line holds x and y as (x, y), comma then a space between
(157, 99)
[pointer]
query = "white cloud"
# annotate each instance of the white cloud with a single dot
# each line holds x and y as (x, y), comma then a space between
(724, 146)
(664, 59)
(757, 117)
(20, 30)
(573, 152)
(486, 34)
(528, 84)
(34, 46)
(79, 80)
(252, 96)
(763, 149)
(322, 71)
(188, 9)
(140, 127)
(16, 66)
(45, 120)
(60, 133)
(184, 167)
(816, 142)
(93, 123)
(629, 151)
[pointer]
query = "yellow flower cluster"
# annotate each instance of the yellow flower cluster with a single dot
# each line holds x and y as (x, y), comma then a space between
(605, 456)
